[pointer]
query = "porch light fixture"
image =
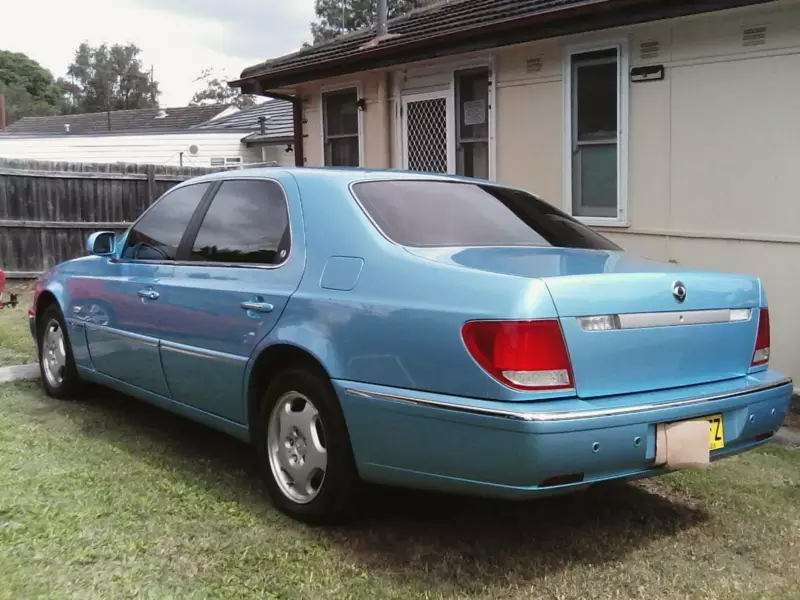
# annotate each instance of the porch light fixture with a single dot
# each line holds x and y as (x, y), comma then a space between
(361, 104)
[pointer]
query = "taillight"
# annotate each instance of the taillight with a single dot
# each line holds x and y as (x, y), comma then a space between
(761, 353)
(525, 355)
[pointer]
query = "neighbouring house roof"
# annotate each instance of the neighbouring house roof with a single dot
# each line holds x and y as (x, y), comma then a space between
(460, 26)
(146, 120)
(279, 126)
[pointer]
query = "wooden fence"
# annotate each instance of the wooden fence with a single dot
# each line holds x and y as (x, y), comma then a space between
(48, 209)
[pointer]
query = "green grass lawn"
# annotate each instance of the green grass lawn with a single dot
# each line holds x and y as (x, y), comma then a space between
(16, 344)
(111, 498)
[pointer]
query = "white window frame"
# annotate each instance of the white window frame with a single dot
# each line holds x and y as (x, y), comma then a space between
(339, 87)
(226, 161)
(623, 131)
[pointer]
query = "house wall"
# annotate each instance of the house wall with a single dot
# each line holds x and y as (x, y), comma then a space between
(160, 149)
(712, 147)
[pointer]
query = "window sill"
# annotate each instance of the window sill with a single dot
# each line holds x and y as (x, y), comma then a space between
(600, 222)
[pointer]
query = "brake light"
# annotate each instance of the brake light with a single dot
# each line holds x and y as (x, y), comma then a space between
(761, 353)
(524, 355)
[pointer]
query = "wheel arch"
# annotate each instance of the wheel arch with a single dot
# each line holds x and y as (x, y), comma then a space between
(269, 362)
(45, 300)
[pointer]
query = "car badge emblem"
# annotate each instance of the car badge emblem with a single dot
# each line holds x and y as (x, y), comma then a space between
(679, 292)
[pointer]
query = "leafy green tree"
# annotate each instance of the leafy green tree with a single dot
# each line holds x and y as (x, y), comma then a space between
(335, 17)
(29, 88)
(109, 78)
(217, 91)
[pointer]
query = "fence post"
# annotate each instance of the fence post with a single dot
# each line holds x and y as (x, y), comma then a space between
(151, 183)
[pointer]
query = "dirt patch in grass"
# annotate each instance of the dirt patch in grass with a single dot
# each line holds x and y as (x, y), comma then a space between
(111, 498)
(16, 344)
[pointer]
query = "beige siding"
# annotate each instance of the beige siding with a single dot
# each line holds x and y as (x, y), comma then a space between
(712, 150)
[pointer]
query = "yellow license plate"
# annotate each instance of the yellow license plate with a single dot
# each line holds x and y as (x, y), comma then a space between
(716, 434)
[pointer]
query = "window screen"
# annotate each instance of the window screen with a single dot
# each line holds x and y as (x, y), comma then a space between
(440, 213)
(158, 233)
(247, 223)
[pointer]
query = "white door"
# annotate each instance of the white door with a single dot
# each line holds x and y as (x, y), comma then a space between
(428, 131)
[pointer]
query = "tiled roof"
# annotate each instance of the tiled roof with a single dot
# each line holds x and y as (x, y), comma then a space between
(278, 115)
(456, 26)
(140, 120)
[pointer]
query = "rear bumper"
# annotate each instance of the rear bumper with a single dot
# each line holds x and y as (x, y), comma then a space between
(521, 450)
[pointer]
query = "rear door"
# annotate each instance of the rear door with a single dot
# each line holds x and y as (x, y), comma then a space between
(236, 274)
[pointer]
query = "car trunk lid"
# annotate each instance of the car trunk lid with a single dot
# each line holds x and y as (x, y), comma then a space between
(658, 341)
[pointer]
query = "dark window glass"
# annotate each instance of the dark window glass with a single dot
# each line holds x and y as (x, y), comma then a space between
(439, 213)
(596, 84)
(158, 234)
(247, 222)
(341, 128)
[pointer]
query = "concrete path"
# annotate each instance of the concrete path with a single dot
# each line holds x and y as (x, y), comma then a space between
(19, 373)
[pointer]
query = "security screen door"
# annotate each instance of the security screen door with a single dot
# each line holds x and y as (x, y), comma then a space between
(427, 133)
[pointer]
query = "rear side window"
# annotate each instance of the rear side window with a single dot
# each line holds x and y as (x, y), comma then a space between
(442, 213)
(158, 233)
(247, 223)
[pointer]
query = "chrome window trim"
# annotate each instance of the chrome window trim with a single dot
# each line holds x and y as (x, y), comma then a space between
(651, 320)
(204, 263)
(555, 417)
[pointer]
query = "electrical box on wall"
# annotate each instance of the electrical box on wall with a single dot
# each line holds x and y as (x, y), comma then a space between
(649, 73)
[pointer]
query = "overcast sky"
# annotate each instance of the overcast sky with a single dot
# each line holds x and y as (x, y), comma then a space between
(179, 38)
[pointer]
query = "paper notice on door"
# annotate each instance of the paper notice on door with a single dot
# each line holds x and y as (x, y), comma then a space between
(475, 112)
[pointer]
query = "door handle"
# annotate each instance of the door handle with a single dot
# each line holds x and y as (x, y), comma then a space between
(263, 307)
(148, 294)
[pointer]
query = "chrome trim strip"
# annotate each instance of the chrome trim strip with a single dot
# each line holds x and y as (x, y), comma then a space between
(673, 319)
(125, 335)
(196, 353)
(550, 417)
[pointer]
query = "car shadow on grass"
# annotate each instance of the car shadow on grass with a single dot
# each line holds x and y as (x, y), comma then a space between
(421, 536)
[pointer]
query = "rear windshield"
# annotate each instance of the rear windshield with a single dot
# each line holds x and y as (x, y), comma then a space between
(441, 213)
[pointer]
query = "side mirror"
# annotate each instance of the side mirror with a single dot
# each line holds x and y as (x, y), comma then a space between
(101, 243)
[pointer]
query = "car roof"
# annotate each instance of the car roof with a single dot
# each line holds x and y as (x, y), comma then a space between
(341, 175)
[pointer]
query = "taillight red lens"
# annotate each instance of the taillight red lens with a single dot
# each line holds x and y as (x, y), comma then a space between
(761, 353)
(524, 355)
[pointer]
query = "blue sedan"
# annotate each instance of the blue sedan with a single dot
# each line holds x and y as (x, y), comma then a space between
(413, 330)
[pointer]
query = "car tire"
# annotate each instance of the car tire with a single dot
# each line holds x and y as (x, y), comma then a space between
(59, 374)
(299, 416)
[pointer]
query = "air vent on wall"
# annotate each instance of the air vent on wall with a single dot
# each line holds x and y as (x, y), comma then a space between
(754, 36)
(533, 65)
(649, 50)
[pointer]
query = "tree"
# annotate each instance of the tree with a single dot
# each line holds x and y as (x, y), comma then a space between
(29, 88)
(109, 78)
(335, 17)
(217, 91)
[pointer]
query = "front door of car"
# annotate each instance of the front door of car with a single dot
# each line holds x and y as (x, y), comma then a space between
(231, 286)
(121, 309)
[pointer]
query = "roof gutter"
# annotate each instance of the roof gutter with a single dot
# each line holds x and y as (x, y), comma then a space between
(297, 124)
(554, 22)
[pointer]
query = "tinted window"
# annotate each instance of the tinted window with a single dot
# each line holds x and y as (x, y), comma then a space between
(158, 234)
(246, 223)
(433, 213)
